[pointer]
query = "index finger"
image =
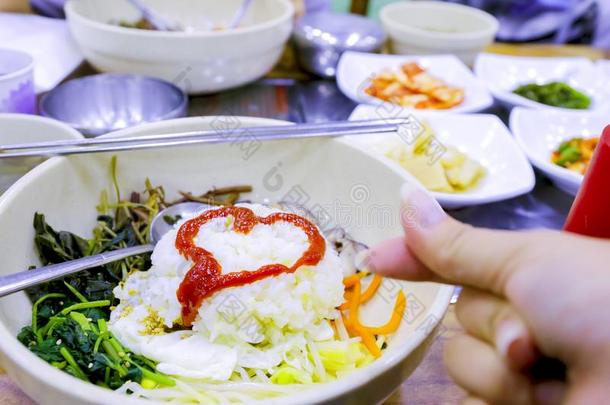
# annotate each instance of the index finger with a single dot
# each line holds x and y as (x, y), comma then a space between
(445, 249)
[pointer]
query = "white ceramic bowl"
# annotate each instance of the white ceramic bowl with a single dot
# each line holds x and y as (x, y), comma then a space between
(22, 128)
(540, 132)
(483, 137)
(431, 27)
(67, 191)
(16, 82)
(356, 69)
(502, 74)
(200, 61)
(604, 67)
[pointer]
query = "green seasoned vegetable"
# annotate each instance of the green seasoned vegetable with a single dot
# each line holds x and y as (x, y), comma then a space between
(69, 316)
(575, 154)
(568, 154)
(556, 94)
(75, 340)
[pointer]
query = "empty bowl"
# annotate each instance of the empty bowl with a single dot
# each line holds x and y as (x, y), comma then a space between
(206, 57)
(102, 103)
(433, 27)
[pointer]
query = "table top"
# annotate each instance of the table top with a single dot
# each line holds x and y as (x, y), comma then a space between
(290, 94)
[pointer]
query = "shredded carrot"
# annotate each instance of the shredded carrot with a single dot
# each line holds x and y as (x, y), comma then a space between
(348, 325)
(371, 289)
(394, 322)
(346, 297)
(351, 280)
(354, 303)
(368, 339)
(366, 295)
(354, 298)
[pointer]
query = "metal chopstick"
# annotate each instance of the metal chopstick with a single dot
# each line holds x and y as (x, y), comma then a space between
(66, 147)
(200, 137)
(228, 132)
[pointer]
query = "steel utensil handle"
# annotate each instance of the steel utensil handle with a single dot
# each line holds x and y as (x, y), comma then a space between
(22, 280)
(146, 144)
(229, 134)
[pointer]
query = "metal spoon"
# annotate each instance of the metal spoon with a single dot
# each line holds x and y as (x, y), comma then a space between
(159, 227)
(158, 21)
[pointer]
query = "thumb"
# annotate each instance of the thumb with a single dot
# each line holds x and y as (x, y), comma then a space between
(589, 388)
(439, 248)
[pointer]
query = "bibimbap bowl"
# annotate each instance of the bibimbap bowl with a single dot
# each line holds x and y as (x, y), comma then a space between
(358, 192)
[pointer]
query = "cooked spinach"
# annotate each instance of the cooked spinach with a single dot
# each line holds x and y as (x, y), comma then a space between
(69, 316)
(555, 94)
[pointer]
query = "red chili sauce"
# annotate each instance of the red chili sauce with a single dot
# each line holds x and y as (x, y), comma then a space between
(205, 277)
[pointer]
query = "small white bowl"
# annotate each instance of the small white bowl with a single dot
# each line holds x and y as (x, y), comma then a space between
(539, 133)
(16, 82)
(482, 137)
(23, 128)
(356, 69)
(432, 27)
(346, 186)
(503, 74)
(197, 61)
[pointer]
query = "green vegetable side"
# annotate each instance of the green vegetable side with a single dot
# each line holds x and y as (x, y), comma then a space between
(556, 94)
(69, 316)
(568, 154)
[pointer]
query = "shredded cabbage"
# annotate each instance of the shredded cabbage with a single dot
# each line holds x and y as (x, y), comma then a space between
(337, 358)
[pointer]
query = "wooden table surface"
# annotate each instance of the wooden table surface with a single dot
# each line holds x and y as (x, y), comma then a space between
(429, 384)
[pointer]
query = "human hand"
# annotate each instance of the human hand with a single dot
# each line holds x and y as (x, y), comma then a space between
(526, 295)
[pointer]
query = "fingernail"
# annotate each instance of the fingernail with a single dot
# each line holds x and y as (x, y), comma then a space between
(419, 207)
(509, 336)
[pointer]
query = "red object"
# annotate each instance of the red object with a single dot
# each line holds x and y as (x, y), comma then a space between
(205, 277)
(590, 213)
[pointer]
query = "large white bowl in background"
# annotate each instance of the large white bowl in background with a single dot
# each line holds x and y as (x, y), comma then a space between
(503, 74)
(348, 184)
(22, 128)
(540, 132)
(434, 27)
(482, 137)
(356, 69)
(198, 61)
